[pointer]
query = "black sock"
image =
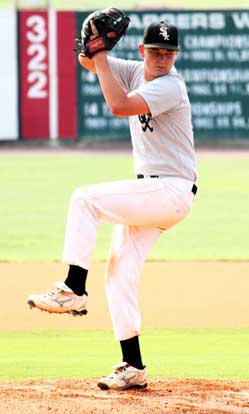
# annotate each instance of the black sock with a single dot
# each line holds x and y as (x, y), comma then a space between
(76, 279)
(131, 352)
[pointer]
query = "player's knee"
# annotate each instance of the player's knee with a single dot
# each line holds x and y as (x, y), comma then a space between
(81, 199)
(79, 196)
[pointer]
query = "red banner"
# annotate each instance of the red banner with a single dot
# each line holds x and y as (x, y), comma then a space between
(66, 66)
(34, 74)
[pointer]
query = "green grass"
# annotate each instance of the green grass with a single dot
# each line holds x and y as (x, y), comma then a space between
(130, 4)
(181, 353)
(35, 192)
(34, 197)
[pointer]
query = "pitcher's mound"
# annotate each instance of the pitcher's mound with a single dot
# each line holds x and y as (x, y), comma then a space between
(82, 396)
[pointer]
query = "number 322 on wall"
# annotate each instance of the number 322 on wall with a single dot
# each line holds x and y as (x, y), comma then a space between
(37, 51)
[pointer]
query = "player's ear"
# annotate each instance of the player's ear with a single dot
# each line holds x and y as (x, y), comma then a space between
(141, 50)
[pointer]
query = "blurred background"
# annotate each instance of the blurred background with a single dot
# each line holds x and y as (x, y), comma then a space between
(47, 97)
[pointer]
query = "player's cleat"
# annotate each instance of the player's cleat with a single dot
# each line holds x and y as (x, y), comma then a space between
(124, 376)
(77, 313)
(60, 300)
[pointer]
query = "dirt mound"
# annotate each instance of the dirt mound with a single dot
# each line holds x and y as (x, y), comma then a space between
(162, 396)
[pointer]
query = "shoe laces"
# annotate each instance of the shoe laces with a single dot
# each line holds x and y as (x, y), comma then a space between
(55, 292)
(119, 369)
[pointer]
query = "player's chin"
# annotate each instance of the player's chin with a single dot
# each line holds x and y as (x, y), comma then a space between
(160, 70)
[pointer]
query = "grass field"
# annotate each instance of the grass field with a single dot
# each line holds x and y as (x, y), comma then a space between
(208, 353)
(35, 192)
(131, 4)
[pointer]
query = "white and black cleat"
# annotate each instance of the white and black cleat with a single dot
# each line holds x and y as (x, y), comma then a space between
(31, 304)
(124, 376)
(78, 313)
(59, 300)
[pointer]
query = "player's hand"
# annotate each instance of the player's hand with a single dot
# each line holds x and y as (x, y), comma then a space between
(95, 32)
(102, 29)
(95, 35)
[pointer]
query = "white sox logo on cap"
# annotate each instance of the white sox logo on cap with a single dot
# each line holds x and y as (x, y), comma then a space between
(164, 33)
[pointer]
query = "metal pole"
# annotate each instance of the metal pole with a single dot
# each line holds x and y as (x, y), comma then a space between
(53, 95)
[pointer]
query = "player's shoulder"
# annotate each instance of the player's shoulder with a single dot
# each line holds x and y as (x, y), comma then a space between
(131, 69)
(171, 84)
(115, 61)
(174, 73)
(171, 78)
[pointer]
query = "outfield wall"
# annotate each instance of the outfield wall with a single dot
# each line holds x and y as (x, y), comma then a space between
(46, 94)
(8, 75)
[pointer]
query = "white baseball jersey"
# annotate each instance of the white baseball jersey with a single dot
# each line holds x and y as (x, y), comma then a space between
(162, 141)
(141, 209)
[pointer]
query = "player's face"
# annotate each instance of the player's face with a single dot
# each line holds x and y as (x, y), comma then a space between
(157, 61)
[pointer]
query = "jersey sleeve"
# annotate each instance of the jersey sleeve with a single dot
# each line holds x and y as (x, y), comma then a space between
(160, 94)
(123, 70)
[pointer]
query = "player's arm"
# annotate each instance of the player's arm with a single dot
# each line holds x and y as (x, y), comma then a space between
(119, 102)
(87, 63)
(95, 45)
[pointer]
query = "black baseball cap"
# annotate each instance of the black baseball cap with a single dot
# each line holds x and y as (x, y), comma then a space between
(161, 35)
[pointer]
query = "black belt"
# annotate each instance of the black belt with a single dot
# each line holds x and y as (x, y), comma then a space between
(194, 188)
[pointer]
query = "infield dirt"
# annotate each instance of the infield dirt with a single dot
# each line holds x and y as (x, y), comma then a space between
(168, 396)
(183, 294)
(172, 295)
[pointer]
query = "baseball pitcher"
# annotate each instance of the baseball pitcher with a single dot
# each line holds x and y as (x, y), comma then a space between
(153, 95)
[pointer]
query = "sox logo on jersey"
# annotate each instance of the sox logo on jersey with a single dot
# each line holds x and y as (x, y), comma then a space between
(145, 121)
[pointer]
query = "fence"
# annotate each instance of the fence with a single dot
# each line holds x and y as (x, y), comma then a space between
(59, 99)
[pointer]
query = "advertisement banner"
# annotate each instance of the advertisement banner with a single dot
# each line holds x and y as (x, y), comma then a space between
(213, 60)
(94, 117)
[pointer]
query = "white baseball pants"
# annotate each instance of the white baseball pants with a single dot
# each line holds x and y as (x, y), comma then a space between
(141, 210)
